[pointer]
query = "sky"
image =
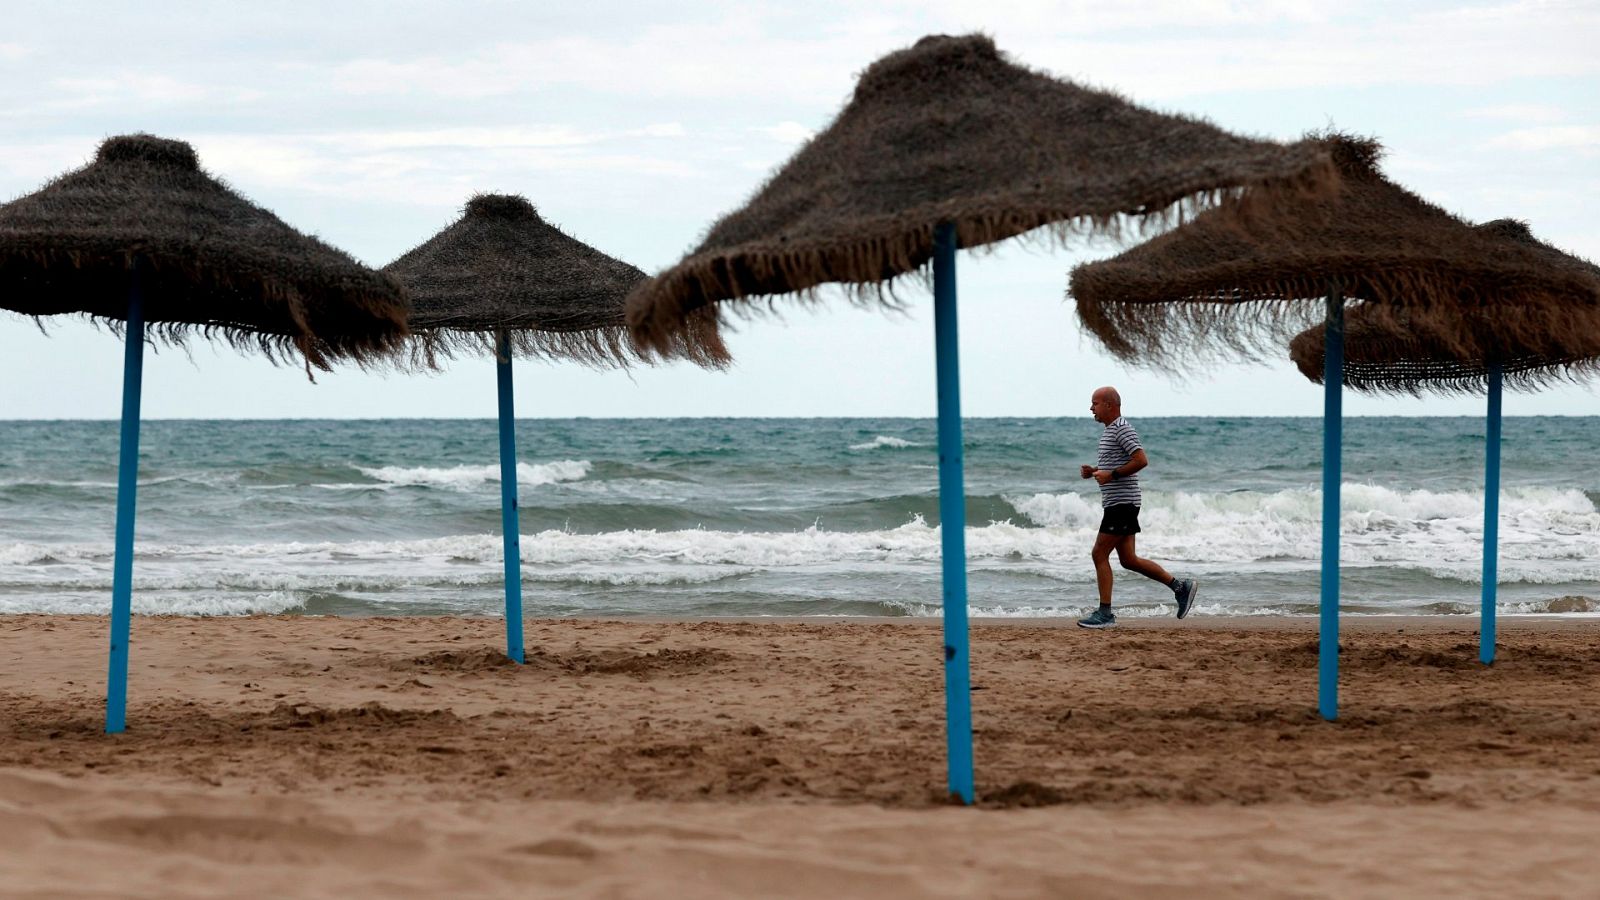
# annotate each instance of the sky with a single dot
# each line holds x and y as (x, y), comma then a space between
(635, 125)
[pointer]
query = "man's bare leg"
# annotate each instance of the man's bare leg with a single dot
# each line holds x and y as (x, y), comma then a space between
(1133, 562)
(1103, 545)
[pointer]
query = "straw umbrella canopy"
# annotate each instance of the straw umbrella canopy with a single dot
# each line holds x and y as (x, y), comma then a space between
(210, 261)
(142, 234)
(951, 144)
(501, 267)
(952, 131)
(1391, 356)
(501, 280)
(1237, 277)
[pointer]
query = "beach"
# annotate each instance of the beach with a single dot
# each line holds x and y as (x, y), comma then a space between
(319, 755)
(862, 354)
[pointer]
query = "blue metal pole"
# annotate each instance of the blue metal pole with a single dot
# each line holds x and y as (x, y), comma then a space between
(1332, 439)
(952, 517)
(508, 498)
(127, 489)
(1491, 518)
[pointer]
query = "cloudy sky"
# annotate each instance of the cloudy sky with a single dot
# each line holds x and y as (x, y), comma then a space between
(635, 125)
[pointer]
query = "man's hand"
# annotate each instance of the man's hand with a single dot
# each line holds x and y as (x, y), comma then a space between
(1086, 471)
(1103, 475)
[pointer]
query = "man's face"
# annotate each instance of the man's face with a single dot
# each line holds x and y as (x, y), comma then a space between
(1101, 409)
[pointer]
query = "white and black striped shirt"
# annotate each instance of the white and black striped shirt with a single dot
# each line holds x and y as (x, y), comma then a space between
(1118, 443)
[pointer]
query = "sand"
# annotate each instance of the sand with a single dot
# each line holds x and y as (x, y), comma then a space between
(298, 756)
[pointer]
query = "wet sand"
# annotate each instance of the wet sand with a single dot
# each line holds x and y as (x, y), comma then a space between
(728, 758)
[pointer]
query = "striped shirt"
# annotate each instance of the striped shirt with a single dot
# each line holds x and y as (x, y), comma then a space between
(1117, 445)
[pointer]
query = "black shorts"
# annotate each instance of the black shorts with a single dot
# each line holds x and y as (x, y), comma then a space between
(1120, 519)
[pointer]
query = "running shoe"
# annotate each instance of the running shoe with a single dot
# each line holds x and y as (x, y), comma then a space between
(1100, 618)
(1188, 589)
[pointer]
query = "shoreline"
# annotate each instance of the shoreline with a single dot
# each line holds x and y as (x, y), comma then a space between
(1360, 622)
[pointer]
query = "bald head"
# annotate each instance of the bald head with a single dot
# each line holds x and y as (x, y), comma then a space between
(1105, 405)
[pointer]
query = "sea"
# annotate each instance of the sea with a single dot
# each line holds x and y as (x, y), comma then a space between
(785, 517)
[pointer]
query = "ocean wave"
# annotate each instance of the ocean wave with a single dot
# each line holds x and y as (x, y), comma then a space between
(45, 485)
(1363, 507)
(1515, 571)
(1378, 525)
(59, 483)
(910, 543)
(612, 577)
(23, 554)
(795, 571)
(155, 604)
(884, 441)
(1070, 510)
(895, 510)
(467, 478)
(1397, 545)
(1547, 536)
(204, 603)
(222, 579)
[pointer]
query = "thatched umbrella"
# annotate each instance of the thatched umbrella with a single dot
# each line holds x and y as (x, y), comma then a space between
(950, 144)
(500, 280)
(1238, 278)
(1387, 357)
(1245, 275)
(143, 235)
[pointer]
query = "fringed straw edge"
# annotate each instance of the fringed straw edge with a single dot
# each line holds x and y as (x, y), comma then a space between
(320, 351)
(1254, 323)
(869, 270)
(1523, 377)
(1410, 369)
(611, 347)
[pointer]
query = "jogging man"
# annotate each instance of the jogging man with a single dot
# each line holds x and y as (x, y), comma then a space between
(1116, 470)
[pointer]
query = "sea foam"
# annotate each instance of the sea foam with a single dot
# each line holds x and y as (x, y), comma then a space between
(884, 441)
(1547, 536)
(467, 478)
(1430, 539)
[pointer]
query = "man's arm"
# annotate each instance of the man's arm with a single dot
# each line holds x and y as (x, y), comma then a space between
(1133, 465)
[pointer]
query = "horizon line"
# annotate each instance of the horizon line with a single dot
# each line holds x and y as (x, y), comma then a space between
(927, 418)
